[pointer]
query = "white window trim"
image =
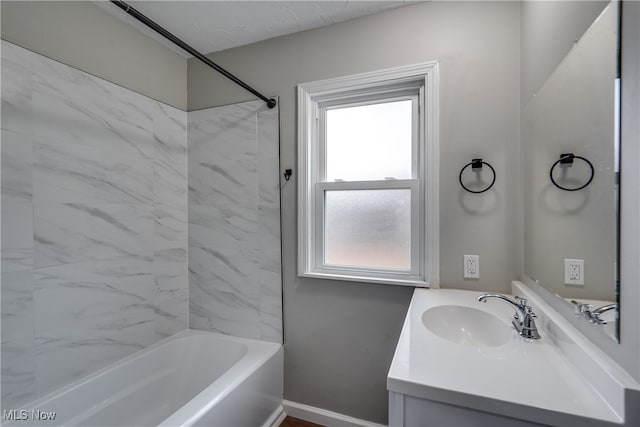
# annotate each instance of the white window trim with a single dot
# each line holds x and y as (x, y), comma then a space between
(310, 97)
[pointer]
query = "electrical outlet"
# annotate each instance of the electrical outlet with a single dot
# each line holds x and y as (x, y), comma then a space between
(471, 266)
(574, 272)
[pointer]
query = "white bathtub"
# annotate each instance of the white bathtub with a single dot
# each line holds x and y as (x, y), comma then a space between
(193, 378)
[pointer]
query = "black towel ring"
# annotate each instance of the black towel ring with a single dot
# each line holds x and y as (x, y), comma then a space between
(477, 164)
(567, 159)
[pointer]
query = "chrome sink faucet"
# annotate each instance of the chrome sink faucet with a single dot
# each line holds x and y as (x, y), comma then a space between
(600, 310)
(523, 319)
(593, 315)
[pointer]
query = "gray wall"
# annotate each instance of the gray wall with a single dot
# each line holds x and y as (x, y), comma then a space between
(86, 37)
(549, 29)
(340, 336)
(628, 352)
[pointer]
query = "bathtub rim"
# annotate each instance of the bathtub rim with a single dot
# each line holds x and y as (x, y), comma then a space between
(258, 352)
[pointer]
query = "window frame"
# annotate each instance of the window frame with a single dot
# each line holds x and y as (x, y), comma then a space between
(418, 83)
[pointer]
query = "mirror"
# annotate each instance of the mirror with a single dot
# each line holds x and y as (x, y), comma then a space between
(570, 154)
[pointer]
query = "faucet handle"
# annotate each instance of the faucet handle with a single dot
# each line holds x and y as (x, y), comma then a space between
(581, 309)
(598, 321)
(586, 309)
(530, 312)
(522, 302)
(577, 307)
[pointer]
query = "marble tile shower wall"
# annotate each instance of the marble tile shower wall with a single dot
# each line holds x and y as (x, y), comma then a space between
(234, 221)
(94, 223)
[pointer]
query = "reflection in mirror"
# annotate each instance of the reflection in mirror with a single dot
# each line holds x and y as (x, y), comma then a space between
(571, 236)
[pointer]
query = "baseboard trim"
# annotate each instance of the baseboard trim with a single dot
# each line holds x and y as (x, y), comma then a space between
(276, 418)
(324, 417)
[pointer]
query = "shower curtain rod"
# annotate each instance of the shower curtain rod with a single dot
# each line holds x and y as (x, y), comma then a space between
(271, 102)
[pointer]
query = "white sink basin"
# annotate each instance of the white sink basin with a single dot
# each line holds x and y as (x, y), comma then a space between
(467, 326)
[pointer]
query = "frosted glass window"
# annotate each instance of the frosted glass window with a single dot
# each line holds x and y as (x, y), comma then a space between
(369, 142)
(368, 228)
(365, 211)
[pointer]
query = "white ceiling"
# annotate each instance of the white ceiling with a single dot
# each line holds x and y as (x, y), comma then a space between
(211, 26)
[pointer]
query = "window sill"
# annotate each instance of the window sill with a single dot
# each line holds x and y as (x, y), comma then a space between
(365, 279)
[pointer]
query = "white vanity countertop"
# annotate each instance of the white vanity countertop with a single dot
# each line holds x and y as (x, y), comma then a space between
(527, 379)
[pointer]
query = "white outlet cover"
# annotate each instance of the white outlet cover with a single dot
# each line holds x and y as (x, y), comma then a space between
(574, 272)
(471, 267)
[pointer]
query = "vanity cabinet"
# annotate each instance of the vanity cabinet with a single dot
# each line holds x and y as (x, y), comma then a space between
(410, 411)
